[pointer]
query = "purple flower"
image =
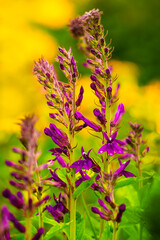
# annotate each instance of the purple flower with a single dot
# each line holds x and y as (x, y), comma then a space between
(80, 97)
(86, 163)
(111, 147)
(16, 223)
(99, 116)
(121, 170)
(96, 187)
(89, 123)
(97, 93)
(120, 111)
(106, 214)
(4, 224)
(59, 210)
(15, 201)
(61, 161)
(38, 234)
(122, 208)
(59, 151)
(58, 136)
(57, 181)
(83, 177)
(109, 70)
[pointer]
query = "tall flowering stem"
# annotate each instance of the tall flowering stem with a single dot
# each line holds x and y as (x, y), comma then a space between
(90, 32)
(24, 173)
(62, 99)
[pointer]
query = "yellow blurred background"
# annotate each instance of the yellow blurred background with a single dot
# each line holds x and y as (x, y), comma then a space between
(22, 42)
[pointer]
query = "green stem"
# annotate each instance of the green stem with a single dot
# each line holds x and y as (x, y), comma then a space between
(114, 231)
(140, 184)
(87, 212)
(28, 228)
(39, 198)
(72, 200)
(102, 223)
(28, 218)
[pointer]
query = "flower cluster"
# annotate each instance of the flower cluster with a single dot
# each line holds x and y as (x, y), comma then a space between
(25, 174)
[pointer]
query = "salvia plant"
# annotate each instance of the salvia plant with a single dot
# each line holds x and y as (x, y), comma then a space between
(101, 171)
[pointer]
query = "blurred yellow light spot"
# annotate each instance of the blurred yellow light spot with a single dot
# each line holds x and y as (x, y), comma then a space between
(52, 13)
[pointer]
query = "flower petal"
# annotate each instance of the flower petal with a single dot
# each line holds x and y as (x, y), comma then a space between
(103, 149)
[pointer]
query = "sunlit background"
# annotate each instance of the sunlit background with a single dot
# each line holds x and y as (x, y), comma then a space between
(30, 29)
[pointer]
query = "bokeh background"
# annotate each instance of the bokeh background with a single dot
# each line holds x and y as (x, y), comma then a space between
(30, 29)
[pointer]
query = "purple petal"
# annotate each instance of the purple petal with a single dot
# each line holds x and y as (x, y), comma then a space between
(110, 149)
(118, 115)
(120, 142)
(105, 136)
(121, 168)
(114, 135)
(103, 149)
(102, 204)
(38, 234)
(128, 174)
(116, 148)
(61, 161)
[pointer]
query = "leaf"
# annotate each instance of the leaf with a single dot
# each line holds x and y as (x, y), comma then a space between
(61, 172)
(132, 232)
(80, 228)
(129, 181)
(50, 221)
(83, 186)
(107, 234)
(86, 237)
(133, 215)
(53, 230)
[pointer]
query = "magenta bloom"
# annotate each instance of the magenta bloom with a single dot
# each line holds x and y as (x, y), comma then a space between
(59, 210)
(118, 115)
(121, 170)
(111, 147)
(83, 178)
(106, 214)
(79, 116)
(86, 163)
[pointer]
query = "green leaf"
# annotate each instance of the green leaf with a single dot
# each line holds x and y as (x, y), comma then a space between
(61, 172)
(53, 230)
(83, 186)
(133, 215)
(50, 221)
(80, 227)
(86, 237)
(128, 181)
(107, 234)
(132, 232)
